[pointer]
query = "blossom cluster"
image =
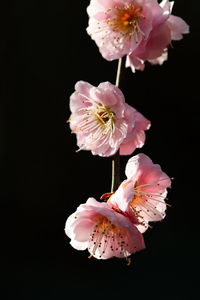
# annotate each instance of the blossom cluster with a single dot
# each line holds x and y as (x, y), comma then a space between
(140, 29)
(105, 124)
(114, 228)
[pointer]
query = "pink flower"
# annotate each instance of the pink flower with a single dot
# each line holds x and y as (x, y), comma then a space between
(120, 26)
(104, 232)
(154, 49)
(142, 194)
(103, 122)
(140, 29)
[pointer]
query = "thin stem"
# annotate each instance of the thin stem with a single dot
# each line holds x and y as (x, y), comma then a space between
(119, 67)
(115, 172)
(116, 158)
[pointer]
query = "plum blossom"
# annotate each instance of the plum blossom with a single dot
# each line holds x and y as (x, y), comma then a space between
(103, 231)
(155, 49)
(103, 122)
(143, 193)
(119, 26)
(140, 29)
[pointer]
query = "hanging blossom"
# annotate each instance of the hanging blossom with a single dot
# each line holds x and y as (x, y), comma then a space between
(140, 29)
(103, 231)
(142, 195)
(103, 122)
(155, 48)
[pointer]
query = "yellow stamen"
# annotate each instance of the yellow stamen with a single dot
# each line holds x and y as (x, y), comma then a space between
(128, 259)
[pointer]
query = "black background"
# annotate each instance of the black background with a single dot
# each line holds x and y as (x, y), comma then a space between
(44, 52)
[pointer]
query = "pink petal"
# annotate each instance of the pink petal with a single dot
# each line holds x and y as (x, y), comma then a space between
(135, 163)
(82, 230)
(123, 196)
(79, 245)
(137, 141)
(178, 27)
(153, 175)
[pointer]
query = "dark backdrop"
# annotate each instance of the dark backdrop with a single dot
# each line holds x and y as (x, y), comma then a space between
(44, 51)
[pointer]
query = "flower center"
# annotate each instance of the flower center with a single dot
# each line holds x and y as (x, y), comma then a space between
(136, 200)
(126, 19)
(146, 199)
(137, 196)
(104, 226)
(97, 121)
(106, 236)
(104, 116)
